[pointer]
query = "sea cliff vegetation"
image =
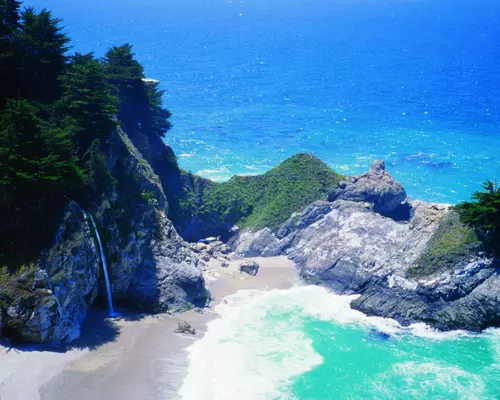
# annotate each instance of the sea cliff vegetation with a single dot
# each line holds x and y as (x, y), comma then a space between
(56, 113)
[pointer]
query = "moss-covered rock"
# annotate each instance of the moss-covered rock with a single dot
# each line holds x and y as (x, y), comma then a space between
(452, 244)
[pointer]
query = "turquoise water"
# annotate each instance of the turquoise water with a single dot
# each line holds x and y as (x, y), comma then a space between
(252, 82)
(306, 343)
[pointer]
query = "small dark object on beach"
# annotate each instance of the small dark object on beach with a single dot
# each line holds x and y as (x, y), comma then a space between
(185, 327)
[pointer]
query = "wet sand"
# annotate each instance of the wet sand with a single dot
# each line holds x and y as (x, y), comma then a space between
(132, 356)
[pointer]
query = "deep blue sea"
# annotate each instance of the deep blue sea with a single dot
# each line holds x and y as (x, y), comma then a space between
(415, 82)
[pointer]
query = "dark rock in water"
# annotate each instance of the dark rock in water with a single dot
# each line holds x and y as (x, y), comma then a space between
(186, 328)
(224, 265)
(378, 188)
(378, 335)
(250, 268)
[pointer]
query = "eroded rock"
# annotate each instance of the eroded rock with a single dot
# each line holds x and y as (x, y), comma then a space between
(249, 267)
(185, 328)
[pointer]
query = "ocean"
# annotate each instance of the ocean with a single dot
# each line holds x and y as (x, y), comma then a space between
(307, 343)
(250, 83)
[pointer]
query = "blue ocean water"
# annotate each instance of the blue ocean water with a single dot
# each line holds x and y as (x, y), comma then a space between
(415, 82)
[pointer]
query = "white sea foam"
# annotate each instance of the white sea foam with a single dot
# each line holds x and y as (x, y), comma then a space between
(433, 377)
(243, 352)
(258, 344)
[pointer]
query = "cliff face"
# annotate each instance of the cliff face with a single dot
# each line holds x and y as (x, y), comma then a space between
(370, 240)
(48, 301)
(150, 266)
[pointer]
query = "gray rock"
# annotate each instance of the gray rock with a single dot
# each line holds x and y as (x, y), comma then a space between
(249, 267)
(224, 265)
(357, 245)
(186, 328)
(378, 188)
(57, 295)
(150, 266)
(40, 280)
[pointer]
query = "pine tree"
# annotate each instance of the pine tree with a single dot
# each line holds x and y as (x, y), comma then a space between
(140, 108)
(156, 118)
(36, 159)
(126, 75)
(43, 46)
(483, 214)
(87, 97)
(9, 52)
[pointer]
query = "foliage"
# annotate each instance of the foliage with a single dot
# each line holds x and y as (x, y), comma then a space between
(56, 114)
(9, 29)
(36, 159)
(483, 214)
(253, 201)
(450, 244)
(43, 49)
(87, 98)
(140, 100)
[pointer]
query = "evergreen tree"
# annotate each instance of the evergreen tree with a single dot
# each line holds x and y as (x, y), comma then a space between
(43, 47)
(156, 118)
(36, 159)
(9, 57)
(483, 213)
(126, 75)
(140, 101)
(87, 97)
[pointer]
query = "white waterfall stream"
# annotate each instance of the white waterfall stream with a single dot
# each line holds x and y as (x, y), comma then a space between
(104, 266)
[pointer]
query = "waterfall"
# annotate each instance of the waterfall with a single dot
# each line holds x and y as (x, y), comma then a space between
(104, 266)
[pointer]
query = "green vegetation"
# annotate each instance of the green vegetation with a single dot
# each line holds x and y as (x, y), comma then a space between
(453, 241)
(56, 113)
(270, 199)
(251, 201)
(483, 214)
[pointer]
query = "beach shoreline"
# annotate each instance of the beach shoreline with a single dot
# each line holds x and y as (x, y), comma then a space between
(134, 356)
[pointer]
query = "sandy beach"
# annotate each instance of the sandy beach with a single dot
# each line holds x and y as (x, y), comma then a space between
(131, 356)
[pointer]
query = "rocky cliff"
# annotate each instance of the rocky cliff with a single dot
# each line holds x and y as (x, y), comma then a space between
(412, 261)
(151, 267)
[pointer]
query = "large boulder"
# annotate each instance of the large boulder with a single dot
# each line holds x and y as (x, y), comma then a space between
(378, 188)
(249, 267)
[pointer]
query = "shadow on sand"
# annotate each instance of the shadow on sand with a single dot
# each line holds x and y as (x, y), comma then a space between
(97, 329)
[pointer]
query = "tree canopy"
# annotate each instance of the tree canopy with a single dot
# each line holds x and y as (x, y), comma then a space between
(57, 111)
(483, 213)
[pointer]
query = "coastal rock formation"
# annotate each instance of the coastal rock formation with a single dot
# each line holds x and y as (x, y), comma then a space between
(186, 328)
(249, 267)
(378, 188)
(48, 303)
(420, 269)
(150, 266)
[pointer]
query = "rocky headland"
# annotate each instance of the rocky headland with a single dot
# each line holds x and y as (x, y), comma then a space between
(408, 260)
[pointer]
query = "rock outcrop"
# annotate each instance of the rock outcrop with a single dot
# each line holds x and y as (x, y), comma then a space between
(249, 267)
(386, 196)
(47, 303)
(150, 266)
(358, 243)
